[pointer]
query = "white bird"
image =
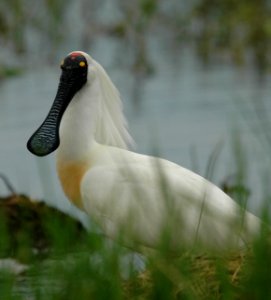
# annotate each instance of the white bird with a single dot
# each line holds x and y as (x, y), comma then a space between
(136, 198)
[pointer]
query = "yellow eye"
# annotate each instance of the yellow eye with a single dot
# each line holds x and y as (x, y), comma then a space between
(82, 64)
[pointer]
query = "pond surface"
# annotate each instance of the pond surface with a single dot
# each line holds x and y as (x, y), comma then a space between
(183, 112)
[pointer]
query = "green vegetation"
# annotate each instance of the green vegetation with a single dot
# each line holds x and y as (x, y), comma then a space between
(239, 27)
(66, 262)
(236, 31)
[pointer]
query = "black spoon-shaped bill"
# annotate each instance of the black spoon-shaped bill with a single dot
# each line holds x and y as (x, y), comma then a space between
(74, 75)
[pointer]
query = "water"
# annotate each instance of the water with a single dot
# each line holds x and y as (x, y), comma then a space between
(183, 111)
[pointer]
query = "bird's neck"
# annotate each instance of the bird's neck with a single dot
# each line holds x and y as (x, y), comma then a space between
(78, 125)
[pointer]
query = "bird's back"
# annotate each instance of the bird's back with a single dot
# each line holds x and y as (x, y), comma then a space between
(143, 198)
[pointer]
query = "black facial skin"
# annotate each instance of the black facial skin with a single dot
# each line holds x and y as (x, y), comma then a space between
(74, 75)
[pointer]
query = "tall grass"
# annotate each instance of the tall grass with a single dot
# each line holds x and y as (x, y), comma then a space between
(89, 266)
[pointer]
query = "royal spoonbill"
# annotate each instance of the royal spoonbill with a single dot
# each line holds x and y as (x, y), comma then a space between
(138, 197)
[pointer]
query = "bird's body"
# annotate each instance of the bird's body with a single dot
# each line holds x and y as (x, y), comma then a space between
(134, 197)
(137, 196)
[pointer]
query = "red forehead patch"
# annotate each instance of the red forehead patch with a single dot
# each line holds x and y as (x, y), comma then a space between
(74, 54)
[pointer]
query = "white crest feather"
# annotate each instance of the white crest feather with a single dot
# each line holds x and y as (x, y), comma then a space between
(111, 126)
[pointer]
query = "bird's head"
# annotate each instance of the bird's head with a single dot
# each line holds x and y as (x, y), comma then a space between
(78, 77)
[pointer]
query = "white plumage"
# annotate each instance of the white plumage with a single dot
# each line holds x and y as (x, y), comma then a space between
(144, 197)
(138, 198)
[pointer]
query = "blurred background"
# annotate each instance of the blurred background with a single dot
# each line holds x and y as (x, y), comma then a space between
(194, 78)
